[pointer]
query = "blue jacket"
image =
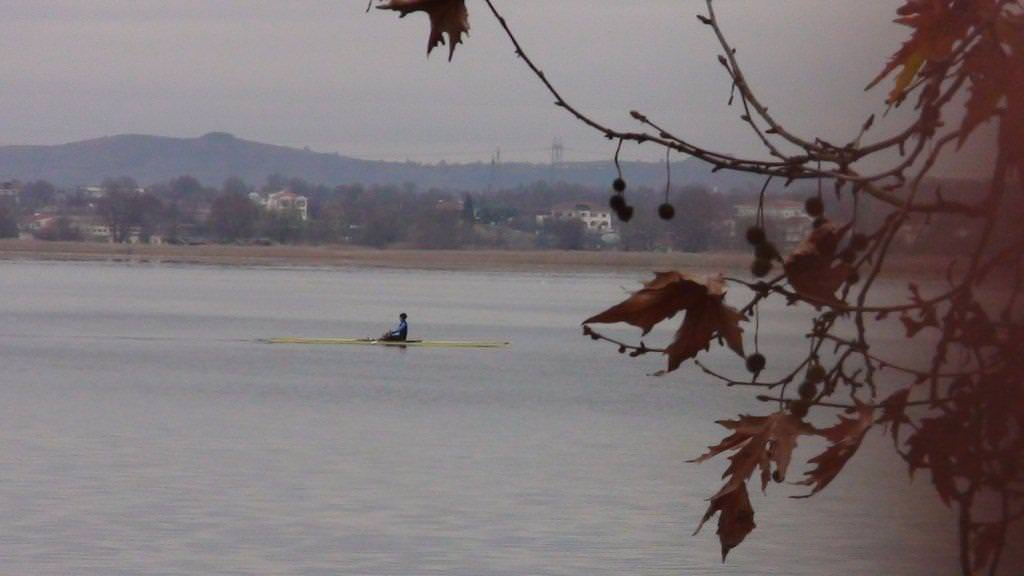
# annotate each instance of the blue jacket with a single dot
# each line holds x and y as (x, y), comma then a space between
(401, 332)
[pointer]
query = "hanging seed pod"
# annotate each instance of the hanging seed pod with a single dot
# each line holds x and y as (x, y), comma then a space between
(756, 362)
(756, 235)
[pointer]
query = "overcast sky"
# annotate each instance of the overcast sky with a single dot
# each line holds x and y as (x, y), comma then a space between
(324, 74)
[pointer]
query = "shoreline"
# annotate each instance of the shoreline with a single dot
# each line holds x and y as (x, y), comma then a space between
(402, 259)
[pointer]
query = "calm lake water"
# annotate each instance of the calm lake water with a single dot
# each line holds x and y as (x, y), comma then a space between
(145, 430)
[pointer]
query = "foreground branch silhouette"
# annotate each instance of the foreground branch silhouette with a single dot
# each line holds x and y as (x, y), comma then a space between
(958, 413)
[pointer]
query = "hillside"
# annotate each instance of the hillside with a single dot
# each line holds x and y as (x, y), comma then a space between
(217, 156)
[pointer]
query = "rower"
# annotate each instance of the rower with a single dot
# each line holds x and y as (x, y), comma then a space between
(400, 332)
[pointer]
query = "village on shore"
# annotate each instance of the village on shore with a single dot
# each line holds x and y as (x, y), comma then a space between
(293, 212)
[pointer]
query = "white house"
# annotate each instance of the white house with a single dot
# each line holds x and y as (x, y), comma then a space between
(595, 218)
(284, 201)
(100, 232)
(10, 190)
(784, 217)
(773, 209)
(97, 192)
(39, 222)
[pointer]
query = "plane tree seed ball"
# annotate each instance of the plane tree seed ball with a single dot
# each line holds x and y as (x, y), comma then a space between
(766, 251)
(617, 203)
(799, 409)
(814, 206)
(761, 267)
(756, 362)
(815, 374)
(666, 211)
(619, 185)
(808, 390)
(626, 214)
(756, 235)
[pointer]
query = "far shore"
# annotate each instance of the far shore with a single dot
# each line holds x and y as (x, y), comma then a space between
(361, 257)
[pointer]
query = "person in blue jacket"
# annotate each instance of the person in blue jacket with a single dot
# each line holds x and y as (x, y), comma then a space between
(400, 332)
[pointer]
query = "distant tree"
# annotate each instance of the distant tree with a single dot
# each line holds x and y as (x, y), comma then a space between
(116, 206)
(147, 212)
(235, 185)
(172, 223)
(697, 211)
(317, 196)
(468, 209)
(184, 188)
(233, 216)
(285, 227)
(124, 209)
(564, 235)
(381, 229)
(8, 220)
(331, 224)
(75, 200)
(494, 212)
(350, 203)
(640, 234)
(300, 187)
(62, 230)
(35, 195)
(119, 184)
(275, 182)
(436, 229)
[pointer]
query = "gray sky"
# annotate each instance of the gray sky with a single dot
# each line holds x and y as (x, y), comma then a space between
(323, 74)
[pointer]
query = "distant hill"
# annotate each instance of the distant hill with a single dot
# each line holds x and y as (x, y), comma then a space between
(216, 156)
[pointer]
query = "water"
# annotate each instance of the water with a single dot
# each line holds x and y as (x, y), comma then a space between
(145, 430)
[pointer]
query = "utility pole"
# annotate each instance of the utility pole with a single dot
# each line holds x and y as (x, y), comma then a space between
(493, 176)
(557, 152)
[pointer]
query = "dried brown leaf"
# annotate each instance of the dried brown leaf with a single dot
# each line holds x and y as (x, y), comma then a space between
(936, 27)
(894, 412)
(846, 437)
(759, 441)
(988, 70)
(707, 315)
(810, 269)
(985, 544)
(446, 17)
(700, 327)
(736, 518)
(940, 445)
(659, 299)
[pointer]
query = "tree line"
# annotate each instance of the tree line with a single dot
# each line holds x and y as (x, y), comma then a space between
(185, 211)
